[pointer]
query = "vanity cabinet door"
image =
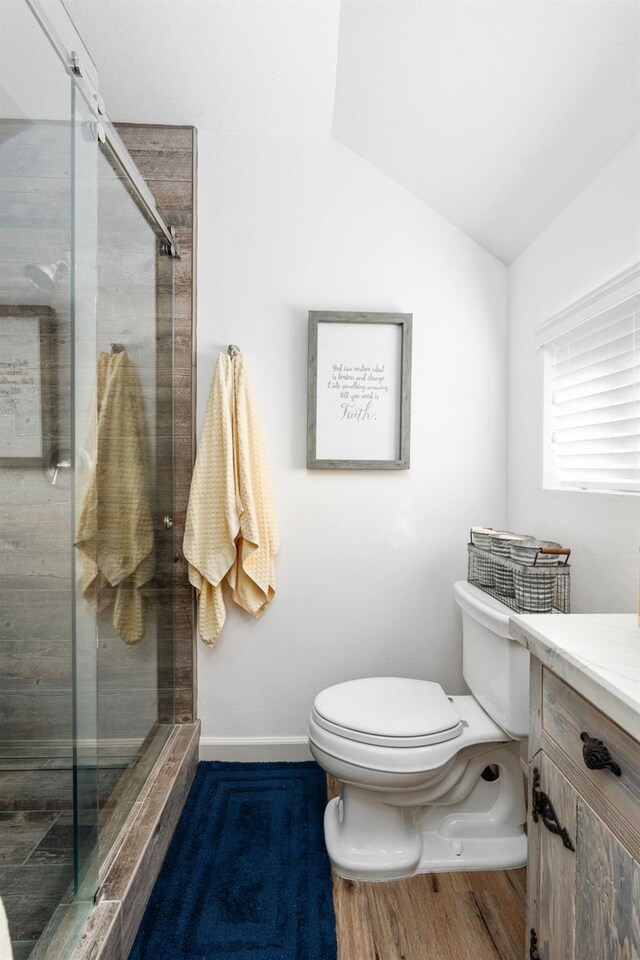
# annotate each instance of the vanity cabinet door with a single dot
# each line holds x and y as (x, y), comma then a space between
(553, 805)
(607, 893)
(585, 900)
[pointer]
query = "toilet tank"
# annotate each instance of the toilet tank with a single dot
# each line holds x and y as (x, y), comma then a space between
(495, 667)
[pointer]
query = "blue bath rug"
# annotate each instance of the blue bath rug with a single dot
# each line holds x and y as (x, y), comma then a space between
(246, 876)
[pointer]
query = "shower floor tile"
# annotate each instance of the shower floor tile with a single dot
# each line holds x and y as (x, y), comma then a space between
(56, 847)
(21, 832)
(28, 916)
(36, 831)
(36, 842)
(43, 880)
(22, 949)
(50, 788)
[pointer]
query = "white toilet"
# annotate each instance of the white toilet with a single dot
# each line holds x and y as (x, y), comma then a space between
(429, 783)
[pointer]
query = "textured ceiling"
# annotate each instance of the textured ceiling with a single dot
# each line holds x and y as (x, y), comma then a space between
(494, 112)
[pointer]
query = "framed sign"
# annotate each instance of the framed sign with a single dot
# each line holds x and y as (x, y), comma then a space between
(25, 332)
(359, 391)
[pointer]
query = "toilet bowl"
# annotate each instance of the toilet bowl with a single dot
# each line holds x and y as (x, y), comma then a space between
(428, 782)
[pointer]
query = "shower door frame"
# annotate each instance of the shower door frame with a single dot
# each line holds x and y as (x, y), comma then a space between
(58, 27)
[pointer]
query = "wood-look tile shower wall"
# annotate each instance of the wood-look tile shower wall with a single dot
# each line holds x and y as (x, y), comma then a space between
(35, 560)
(167, 159)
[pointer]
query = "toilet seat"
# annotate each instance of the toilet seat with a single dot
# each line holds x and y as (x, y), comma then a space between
(388, 712)
(395, 759)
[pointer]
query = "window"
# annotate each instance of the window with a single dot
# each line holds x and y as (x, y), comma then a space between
(592, 392)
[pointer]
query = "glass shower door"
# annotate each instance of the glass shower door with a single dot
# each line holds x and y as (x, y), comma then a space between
(86, 478)
(135, 469)
(48, 770)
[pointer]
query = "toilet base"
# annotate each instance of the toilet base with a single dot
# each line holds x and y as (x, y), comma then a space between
(370, 838)
(499, 853)
(441, 854)
(396, 849)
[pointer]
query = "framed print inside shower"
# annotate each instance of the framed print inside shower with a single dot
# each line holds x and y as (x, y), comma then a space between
(26, 394)
(359, 391)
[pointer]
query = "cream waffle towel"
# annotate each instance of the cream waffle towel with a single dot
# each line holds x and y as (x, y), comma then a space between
(231, 530)
(115, 529)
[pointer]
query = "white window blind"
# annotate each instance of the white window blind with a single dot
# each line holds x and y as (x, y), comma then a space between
(592, 388)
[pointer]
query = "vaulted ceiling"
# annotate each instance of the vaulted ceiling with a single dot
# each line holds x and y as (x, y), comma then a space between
(233, 66)
(496, 113)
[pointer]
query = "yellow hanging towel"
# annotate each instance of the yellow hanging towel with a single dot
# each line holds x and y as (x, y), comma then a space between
(231, 530)
(115, 528)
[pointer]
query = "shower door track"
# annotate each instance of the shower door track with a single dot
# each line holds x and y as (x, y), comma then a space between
(63, 36)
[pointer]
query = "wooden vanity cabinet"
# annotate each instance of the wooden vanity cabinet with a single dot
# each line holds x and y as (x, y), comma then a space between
(584, 829)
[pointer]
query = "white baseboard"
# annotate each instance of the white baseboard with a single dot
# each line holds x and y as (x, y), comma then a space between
(249, 749)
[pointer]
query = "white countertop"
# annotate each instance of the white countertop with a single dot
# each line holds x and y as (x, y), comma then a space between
(598, 654)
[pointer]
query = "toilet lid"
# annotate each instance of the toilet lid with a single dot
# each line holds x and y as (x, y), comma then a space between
(388, 711)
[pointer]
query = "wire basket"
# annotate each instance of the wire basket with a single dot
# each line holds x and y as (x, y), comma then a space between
(525, 589)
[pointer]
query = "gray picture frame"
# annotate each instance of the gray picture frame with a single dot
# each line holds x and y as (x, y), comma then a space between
(37, 327)
(402, 461)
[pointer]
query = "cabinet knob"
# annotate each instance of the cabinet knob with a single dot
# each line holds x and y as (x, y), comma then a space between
(596, 756)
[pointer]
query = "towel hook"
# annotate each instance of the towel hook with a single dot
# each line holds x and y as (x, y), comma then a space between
(234, 350)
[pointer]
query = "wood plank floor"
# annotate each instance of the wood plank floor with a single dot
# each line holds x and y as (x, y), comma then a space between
(444, 916)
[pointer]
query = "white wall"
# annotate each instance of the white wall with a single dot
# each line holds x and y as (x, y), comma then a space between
(368, 560)
(594, 238)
